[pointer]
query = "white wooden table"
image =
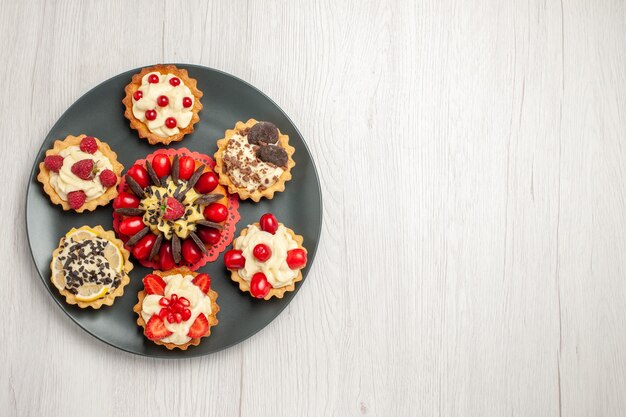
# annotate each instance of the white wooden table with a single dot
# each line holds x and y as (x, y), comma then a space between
(472, 156)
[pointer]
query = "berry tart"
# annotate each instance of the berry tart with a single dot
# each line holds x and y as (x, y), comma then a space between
(162, 104)
(172, 212)
(266, 259)
(80, 173)
(177, 308)
(90, 267)
(254, 160)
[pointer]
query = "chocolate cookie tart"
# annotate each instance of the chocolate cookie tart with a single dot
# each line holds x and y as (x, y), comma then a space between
(162, 103)
(254, 160)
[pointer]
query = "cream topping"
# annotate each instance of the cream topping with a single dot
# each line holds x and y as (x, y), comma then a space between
(245, 169)
(183, 287)
(174, 108)
(64, 182)
(276, 270)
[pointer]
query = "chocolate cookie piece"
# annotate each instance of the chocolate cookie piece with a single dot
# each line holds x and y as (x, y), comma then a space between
(273, 154)
(264, 132)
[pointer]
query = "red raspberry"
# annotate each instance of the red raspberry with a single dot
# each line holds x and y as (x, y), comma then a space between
(53, 162)
(83, 169)
(76, 199)
(88, 144)
(108, 178)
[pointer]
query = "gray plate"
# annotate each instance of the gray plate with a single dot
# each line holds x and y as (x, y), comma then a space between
(226, 100)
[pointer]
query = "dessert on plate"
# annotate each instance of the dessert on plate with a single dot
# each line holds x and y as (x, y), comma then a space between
(90, 267)
(171, 211)
(80, 173)
(254, 160)
(162, 103)
(177, 308)
(266, 259)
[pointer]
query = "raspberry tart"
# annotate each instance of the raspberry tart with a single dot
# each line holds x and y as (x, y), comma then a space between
(162, 104)
(80, 173)
(266, 259)
(172, 212)
(90, 267)
(254, 160)
(177, 308)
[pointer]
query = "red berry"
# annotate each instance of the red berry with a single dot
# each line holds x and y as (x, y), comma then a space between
(131, 225)
(53, 162)
(233, 259)
(186, 167)
(162, 165)
(216, 212)
(151, 114)
(142, 249)
(175, 81)
(155, 328)
(83, 169)
(76, 199)
(172, 209)
(191, 251)
(199, 327)
(137, 95)
(202, 281)
(170, 122)
(125, 200)
(163, 101)
(209, 235)
(296, 258)
(259, 286)
(166, 259)
(153, 78)
(88, 144)
(206, 183)
(140, 175)
(269, 223)
(154, 284)
(108, 178)
(187, 102)
(262, 252)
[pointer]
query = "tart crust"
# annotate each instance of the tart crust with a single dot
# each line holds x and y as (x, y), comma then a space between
(140, 126)
(44, 174)
(110, 297)
(212, 318)
(244, 194)
(274, 292)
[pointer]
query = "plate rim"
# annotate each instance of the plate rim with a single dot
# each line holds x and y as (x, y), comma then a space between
(165, 355)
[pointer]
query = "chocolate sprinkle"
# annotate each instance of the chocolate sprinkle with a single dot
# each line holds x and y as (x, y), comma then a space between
(156, 247)
(208, 199)
(176, 248)
(129, 211)
(134, 187)
(174, 172)
(199, 242)
(153, 176)
(137, 236)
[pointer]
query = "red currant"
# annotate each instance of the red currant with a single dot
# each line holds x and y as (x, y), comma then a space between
(170, 122)
(209, 235)
(138, 95)
(216, 212)
(269, 223)
(259, 286)
(153, 79)
(233, 259)
(163, 101)
(175, 81)
(151, 114)
(187, 102)
(296, 258)
(262, 252)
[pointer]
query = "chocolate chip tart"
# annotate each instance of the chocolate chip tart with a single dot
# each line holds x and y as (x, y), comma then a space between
(162, 104)
(90, 267)
(254, 160)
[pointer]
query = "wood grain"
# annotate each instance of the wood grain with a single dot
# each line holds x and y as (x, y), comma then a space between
(472, 162)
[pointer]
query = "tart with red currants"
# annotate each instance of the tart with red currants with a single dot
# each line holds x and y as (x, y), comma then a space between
(177, 308)
(267, 259)
(254, 160)
(162, 103)
(80, 173)
(172, 212)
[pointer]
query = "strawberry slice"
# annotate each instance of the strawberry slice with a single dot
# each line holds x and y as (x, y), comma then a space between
(172, 209)
(202, 281)
(199, 327)
(154, 284)
(155, 329)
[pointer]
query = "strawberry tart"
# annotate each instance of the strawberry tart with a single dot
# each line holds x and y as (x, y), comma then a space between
(80, 173)
(266, 259)
(162, 103)
(177, 308)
